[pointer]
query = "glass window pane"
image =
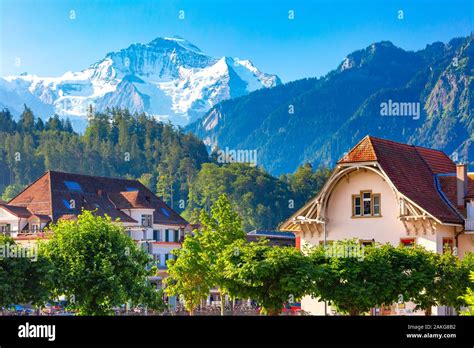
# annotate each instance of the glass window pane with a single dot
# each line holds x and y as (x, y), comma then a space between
(357, 206)
(367, 207)
(377, 205)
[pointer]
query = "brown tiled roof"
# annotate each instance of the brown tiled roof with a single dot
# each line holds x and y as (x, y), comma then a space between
(412, 170)
(448, 184)
(17, 211)
(50, 195)
(37, 196)
(133, 199)
(362, 152)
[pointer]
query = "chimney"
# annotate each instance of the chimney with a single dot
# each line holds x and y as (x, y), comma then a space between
(461, 183)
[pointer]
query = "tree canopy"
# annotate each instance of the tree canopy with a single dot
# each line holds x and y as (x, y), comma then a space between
(97, 266)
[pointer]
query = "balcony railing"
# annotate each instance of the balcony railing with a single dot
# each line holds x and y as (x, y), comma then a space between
(469, 225)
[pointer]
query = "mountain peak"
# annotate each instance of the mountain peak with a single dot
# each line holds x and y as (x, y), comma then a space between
(169, 78)
(175, 40)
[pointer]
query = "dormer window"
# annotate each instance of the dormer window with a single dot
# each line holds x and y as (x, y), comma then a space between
(147, 220)
(73, 186)
(366, 204)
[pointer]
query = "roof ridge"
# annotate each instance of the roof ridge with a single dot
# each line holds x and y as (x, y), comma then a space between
(407, 145)
(91, 176)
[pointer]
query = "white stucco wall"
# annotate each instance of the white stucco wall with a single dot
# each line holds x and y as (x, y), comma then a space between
(383, 229)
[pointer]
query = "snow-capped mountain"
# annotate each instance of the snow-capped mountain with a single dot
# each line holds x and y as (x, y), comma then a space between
(169, 78)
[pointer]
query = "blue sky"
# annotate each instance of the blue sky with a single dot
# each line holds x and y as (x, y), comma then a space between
(322, 33)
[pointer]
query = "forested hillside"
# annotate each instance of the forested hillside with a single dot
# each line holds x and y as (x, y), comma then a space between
(171, 163)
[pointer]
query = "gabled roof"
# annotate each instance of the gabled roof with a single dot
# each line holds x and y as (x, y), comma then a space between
(43, 218)
(63, 195)
(412, 170)
(17, 211)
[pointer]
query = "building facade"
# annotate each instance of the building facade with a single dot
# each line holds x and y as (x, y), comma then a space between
(383, 191)
(56, 195)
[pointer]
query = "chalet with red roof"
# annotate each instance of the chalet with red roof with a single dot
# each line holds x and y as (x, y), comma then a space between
(57, 195)
(384, 191)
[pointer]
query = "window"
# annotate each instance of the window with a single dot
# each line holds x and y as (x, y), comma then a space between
(176, 235)
(366, 204)
(156, 235)
(165, 212)
(409, 242)
(147, 220)
(356, 200)
(35, 227)
(448, 244)
(5, 228)
(376, 202)
(73, 186)
(167, 237)
(131, 189)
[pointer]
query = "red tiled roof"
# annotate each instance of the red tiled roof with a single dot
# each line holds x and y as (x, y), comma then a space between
(412, 170)
(362, 152)
(438, 161)
(37, 196)
(449, 187)
(50, 195)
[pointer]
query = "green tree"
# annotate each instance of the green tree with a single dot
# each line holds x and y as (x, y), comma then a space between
(11, 191)
(356, 278)
(219, 229)
(24, 278)
(97, 265)
(261, 200)
(189, 273)
(27, 120)
(442, 282)
(270, 275)
(469, 298)
(201, 251)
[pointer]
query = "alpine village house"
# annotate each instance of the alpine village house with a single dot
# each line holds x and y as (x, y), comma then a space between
(387, 192)
(56, 195)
